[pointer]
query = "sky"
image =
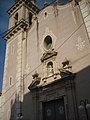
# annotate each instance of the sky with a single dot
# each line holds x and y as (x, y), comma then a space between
(4, 18)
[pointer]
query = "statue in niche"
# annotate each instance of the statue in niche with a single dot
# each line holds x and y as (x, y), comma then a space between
(50, 68)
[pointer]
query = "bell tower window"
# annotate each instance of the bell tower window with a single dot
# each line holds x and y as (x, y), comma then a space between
(30, 18)
(16, 18)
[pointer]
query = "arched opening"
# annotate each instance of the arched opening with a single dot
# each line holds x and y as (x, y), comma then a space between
(16, 18)
(30, 18)
(45, 14)
(48, 42)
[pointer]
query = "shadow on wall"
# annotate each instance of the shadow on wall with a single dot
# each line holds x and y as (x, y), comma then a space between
(15, 107)
(26, 108)
(83, 93)
(12, 114)
(83, 84)
(29, 106)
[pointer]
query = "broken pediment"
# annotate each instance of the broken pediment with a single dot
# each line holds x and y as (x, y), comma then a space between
(66, 70)
(48, 55)
(34, 83)
(64, 73)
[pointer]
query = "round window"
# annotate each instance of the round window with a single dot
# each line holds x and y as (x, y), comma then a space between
(48, 42)
(45, 14)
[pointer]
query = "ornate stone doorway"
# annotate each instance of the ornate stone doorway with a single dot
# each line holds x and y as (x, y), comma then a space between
(54, 110)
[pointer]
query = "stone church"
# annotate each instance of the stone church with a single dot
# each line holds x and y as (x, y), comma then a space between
(47, 62)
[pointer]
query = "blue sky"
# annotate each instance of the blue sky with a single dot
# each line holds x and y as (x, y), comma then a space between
(4, 18)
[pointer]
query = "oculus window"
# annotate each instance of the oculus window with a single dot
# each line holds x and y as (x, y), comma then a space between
(48, 42)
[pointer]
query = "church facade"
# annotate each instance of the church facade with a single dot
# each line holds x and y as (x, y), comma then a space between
(47, 62)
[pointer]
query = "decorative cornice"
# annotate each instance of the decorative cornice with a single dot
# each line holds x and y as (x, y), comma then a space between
(22, 24)
(22, 2)
(48, 55)
(50, 76)
(66, 81)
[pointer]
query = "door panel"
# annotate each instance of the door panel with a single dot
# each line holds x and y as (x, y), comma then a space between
(48, 111)
(54, 110)
(59, 109)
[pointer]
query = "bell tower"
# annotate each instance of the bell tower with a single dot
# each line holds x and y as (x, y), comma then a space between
(21, 15)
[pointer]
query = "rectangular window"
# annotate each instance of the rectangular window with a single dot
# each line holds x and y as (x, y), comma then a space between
(12, 49)
(16, 18)
(10, 81)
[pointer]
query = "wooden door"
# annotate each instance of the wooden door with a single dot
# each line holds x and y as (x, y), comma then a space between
(54, 110)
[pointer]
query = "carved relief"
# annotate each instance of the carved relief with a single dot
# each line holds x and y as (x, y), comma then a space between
(48, 55)
(49, 65)
(80, 44)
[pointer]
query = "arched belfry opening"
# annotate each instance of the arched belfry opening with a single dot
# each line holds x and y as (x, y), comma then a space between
(30, 18)
(16, 18)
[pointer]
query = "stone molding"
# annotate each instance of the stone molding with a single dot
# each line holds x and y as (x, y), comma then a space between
(20, 3)
(48, 32)
(22, 24)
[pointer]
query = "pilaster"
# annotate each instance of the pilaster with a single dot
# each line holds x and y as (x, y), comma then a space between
(19, 86)
(85, 11)
(4, 82)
